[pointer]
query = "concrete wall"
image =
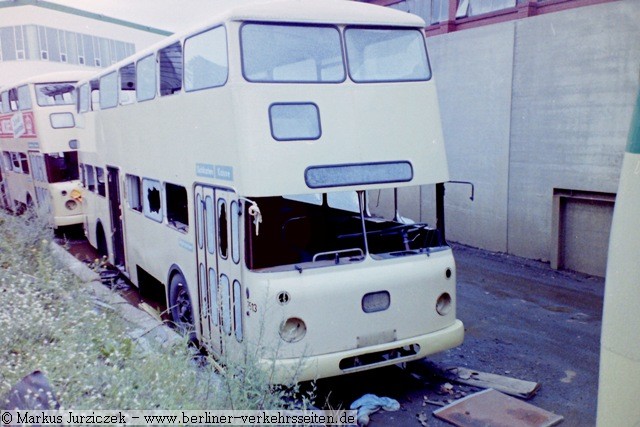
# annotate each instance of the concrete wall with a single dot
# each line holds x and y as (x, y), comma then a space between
(530, 106)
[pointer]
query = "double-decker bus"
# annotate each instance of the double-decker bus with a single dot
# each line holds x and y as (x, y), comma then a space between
(275, 171)
(39, 155)
(620, 341)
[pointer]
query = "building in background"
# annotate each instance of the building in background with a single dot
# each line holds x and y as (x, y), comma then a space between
(38, 37)
(536, 99)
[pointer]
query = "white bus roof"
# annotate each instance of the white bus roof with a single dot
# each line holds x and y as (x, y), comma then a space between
(339, 12)
(58, 76)
(325, 11)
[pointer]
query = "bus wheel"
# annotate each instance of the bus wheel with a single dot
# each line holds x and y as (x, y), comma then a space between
(101, 241)
(180, 304)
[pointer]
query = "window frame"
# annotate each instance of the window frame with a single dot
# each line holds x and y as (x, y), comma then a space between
(285, 24)
(388, 28)
(185, 46)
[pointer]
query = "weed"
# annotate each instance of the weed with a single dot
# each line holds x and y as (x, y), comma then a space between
(49, 322)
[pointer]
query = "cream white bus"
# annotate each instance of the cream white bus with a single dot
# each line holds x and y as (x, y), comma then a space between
(263, 168)
(39, 155)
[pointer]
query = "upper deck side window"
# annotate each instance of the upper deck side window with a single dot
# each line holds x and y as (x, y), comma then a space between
(291, 53)
(170, 66)
(84, 98)
(127, 84)
(24, 98)
(11, 100)
(4, 102)
(146, 78)
(205, 60)
(109, 90)
(386, 55)
(48, 94)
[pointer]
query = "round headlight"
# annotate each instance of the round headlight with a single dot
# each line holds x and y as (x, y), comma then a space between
(443, 305)
(71, 204)
(293, 330)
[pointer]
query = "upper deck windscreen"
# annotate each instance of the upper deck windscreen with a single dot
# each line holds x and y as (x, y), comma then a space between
(376, 55)
(292, 53)
(313, 54)
(48, 94)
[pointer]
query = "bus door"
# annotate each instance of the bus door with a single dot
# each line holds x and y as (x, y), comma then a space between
(41, 181)
(218, 265)
(115, 209)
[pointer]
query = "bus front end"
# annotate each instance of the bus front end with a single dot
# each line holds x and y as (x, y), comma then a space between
(337, 285)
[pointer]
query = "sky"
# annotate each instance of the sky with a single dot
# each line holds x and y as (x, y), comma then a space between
(170, 15)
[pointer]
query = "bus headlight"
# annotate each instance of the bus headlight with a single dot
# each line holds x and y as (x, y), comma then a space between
(443, 305)
(71, 204)
(293, 329)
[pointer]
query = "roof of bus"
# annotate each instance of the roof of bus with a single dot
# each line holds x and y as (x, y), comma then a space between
(58, 76)
(325, 11)
(293, 11)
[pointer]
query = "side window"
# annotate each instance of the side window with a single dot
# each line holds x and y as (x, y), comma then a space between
(225, 296)
(152, 199)
(170, 61)
(109, 90)
(200, 218)
(84, 98)
(127, 84)
(205, 60)
(91, 178)
(101, 183)
(95, 94)
(83, 175)
(237, 310)
(134, 193)
(211, 234)
(25, 163)
(8, 164)
(235, 232)
(5, 102)
(146, 78)
(215, 310)
(15, 161)
(13, 100)
(223, 240)
(177, 210)
(24, 98)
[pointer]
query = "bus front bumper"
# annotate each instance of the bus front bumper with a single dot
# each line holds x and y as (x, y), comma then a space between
(63, 221)
(334, 364)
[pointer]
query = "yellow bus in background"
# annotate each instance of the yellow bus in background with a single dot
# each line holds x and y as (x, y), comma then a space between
(39, 155)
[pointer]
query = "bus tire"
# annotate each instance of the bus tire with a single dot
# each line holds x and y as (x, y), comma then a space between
(101, 242)
(180, 304)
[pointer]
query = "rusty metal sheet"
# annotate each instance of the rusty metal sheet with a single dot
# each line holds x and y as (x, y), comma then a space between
(490, 408)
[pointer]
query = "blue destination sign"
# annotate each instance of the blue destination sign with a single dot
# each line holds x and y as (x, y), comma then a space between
(208, 171)
(224, 172)
(214, 171)
(34, 145)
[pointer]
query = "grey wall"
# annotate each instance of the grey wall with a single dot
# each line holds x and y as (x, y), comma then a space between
(529, 106)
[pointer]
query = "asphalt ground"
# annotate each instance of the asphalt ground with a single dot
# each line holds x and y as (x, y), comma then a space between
(522, 320)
